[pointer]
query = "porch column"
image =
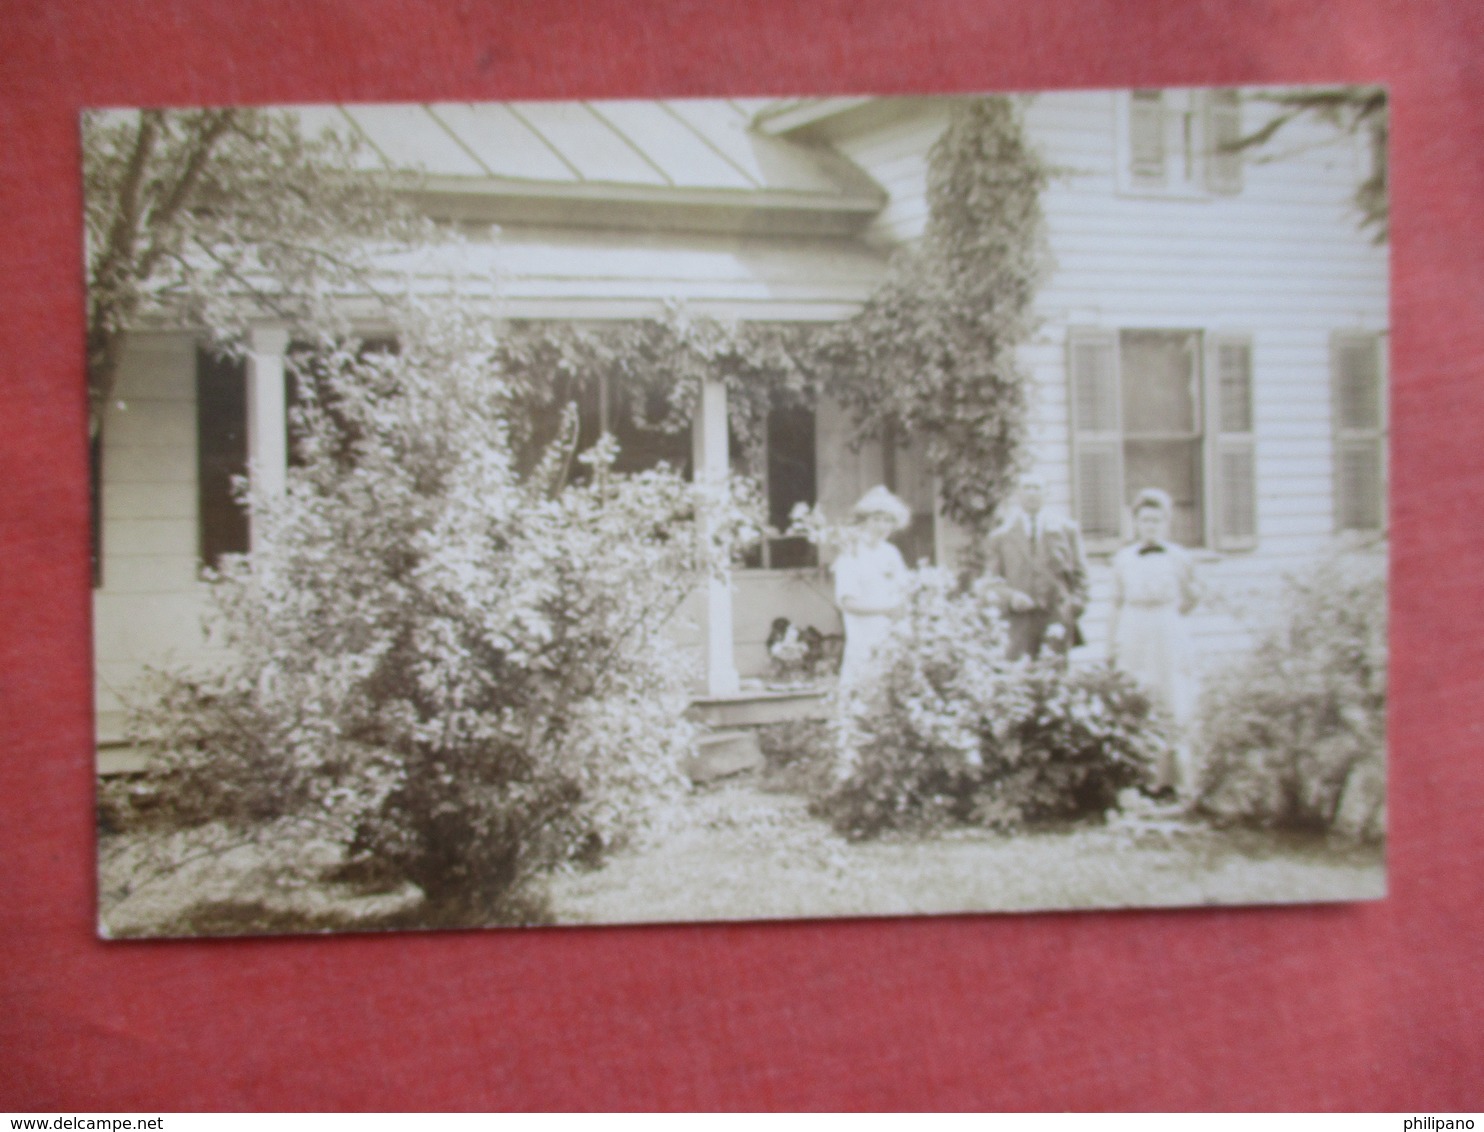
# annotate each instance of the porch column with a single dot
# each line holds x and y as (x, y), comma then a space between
(267, 412)
(710, 452)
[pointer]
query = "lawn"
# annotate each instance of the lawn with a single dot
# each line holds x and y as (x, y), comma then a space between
(744, 852)
(747, 848)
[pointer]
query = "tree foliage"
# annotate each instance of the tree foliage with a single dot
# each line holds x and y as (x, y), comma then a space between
(213, 217)
(446, 667)
(1355, 110)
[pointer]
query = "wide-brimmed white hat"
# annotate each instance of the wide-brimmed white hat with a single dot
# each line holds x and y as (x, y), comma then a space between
(879, 501)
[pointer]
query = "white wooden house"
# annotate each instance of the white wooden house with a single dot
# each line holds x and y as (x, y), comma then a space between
(1214, 325)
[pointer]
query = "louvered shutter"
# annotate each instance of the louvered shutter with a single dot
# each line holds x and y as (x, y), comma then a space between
(1223, 112)
(1359, 399)
(1097, 435)
(1146, 137)
(1234, 453)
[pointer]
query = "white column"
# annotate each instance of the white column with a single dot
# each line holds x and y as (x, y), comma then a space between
(267, 412)
(710, 452)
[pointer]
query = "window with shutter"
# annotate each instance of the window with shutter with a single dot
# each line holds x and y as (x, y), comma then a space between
(1163, 425)
(1234, 469)
(1359, 411)
(1180, 143)
(1170, 409)
(1097, 435)
(1146, 137)
(1223, 131)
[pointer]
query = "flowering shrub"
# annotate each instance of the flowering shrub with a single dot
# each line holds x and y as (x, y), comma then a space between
(437, 662)
(1294, 734)
(952, 732)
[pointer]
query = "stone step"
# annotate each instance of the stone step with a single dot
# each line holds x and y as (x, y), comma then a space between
(719, 754)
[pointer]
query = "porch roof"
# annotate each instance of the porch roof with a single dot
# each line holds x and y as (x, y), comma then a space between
(686, 163)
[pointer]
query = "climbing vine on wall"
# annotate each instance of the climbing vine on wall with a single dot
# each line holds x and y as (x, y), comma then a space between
(930, 359)
(933, 355)
(659, 364)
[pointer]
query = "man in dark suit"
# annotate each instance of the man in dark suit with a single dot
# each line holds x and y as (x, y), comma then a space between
(1038, 557)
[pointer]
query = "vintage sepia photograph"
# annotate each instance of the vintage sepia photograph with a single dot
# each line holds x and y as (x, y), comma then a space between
(628, 512)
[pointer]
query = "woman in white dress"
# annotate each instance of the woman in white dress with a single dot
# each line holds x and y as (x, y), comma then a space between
(1153, 592)
(870, 583)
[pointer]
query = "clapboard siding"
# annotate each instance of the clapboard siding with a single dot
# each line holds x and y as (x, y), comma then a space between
(150, 607)
(1282, 261)
(895, 156)
(551, 273)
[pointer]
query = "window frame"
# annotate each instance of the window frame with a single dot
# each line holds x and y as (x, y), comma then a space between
(223, 522)
(1192, 119)
(763, 477)
(1219, 499)
(1379, 435)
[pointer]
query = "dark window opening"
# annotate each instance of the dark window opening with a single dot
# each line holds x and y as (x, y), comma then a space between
(221, 457)
(632, 418)
(1163, 438)
(789, 478)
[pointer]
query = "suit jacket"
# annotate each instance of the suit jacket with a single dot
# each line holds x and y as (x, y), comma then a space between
(1051, 567)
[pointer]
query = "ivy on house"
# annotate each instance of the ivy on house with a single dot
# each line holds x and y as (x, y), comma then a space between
(931, 358)
(660, 363)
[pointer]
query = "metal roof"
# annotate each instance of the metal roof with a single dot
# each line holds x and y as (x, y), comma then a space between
(675, 153)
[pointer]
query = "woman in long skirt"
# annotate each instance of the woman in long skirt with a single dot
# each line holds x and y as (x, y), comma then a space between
(870, 583)
(1153, 592)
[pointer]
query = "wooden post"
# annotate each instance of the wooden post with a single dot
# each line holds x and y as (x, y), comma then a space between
(712, 464)
(267, 423)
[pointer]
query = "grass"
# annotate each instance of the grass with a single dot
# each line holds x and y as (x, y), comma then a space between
(747, 848)
(744, 853)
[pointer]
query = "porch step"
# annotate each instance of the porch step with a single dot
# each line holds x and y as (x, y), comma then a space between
(722, 753)
(760, 707)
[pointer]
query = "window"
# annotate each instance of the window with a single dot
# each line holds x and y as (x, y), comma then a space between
(221, 454)
(1170, 409)
(632, 418)
(1357, 363)
(1176, 142)
(789, 477)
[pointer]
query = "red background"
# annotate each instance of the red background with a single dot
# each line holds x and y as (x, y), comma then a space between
(1365, 1006)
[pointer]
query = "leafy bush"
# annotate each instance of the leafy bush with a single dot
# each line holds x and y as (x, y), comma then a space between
(798, 755)
(1294, 734)
(436, 661)
(954, 733)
